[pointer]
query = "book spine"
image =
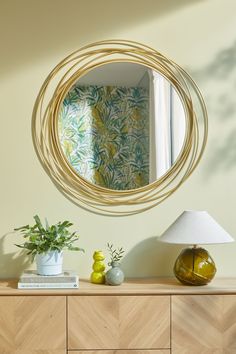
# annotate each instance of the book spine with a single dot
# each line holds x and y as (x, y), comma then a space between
(49, 281)
(36, 281)
(48, 285)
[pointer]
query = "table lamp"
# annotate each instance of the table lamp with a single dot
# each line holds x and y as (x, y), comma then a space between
(194, 266)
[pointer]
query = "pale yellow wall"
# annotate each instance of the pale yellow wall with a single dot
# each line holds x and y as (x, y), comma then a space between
(35, 35)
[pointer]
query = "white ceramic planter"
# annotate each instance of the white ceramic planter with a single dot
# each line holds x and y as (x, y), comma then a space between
(49, 263)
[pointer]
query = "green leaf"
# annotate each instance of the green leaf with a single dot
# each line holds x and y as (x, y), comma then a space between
(26, 227)
(39, 224)
(47, 224)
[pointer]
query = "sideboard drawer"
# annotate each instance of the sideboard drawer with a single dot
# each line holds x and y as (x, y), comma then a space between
(118, 322)
(204, 324)
(32, 324)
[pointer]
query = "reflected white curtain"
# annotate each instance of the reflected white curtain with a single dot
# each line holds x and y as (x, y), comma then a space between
(167, 125)
(178, 125)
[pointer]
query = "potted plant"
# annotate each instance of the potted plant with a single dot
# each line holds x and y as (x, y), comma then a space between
(115, 275)
(46, 244)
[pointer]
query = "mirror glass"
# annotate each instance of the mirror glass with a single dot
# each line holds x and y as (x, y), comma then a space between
(121, 126)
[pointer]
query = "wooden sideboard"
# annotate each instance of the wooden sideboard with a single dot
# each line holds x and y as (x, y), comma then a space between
(142, 316)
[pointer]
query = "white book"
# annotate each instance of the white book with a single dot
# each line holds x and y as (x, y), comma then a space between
(31, 276)
(48, 285)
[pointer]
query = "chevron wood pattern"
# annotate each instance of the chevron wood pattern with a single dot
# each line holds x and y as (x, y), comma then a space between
(144, 322)
(32, 324)
(92, 322)
(154, 351)
(204, 324)
(119, 322)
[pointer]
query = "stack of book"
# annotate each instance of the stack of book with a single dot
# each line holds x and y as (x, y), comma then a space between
(31, 280)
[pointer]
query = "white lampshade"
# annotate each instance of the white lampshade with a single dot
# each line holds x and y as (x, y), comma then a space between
(194, 228)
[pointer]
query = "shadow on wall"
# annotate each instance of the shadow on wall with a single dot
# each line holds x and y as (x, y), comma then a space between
(34, 30)
(12, 264)
(150, 258)
(223, 158)
(219, 78)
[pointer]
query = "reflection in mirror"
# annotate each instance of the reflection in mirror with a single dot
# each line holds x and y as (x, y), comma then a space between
(121, 126)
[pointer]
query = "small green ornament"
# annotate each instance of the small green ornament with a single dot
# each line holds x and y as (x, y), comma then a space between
(98, 274)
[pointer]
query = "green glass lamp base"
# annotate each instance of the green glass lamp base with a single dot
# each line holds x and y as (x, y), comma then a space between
(194, 266)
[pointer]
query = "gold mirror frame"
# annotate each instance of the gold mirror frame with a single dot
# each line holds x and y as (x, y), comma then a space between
(46, 138)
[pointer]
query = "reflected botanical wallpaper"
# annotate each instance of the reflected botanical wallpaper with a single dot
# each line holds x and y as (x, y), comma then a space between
(104, 133)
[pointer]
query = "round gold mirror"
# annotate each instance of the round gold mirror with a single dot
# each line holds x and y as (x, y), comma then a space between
(118, 127)
(121, 126)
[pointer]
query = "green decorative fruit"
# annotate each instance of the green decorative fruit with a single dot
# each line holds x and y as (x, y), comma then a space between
(97, 277)
(99, 266)
(98, 256)
(98, 274)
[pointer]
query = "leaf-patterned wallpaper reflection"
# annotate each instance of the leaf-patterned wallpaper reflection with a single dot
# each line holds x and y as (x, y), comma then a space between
(104, 134)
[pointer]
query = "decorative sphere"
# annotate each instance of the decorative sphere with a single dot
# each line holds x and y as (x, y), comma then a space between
(98, 266)
(98, 256)
(194, 266)
(98, 277)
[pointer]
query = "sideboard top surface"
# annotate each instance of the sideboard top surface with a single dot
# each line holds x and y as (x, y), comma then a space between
(135, 286)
